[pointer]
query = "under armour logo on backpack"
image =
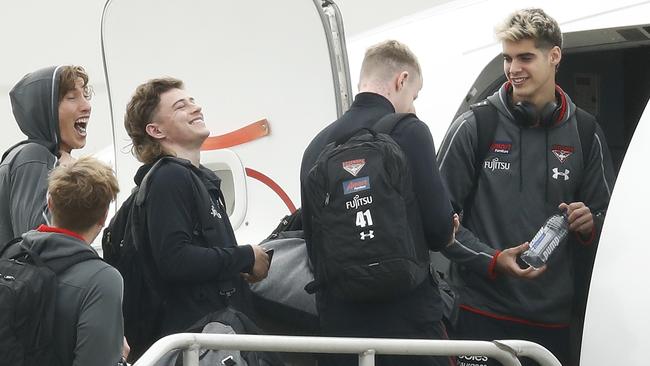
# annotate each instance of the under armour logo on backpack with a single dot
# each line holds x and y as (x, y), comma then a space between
(370, 234)
(557, 174)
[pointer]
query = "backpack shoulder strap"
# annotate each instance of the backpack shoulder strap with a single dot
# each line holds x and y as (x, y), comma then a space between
(143, 186)
(57, 265)
(8, 244)
(486, 126)
(387, 123)
(487, 119)
(586, 131)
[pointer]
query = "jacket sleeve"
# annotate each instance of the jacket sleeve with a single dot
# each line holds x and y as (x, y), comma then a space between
(458, 170)
(597, 184)
(100, 328)
(28, 202)
(170, 212)
(435, 209)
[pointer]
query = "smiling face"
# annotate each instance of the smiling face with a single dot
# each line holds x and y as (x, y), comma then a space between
(531, 70)
(74, 113)
(178, 121)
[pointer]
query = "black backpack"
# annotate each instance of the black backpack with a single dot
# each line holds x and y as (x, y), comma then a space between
(125, 247)
(360, 191)
(28, 289)
(225, 321)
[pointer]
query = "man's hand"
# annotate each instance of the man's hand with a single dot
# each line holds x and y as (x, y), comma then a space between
(507, 263)
(580, 218)
(125, 349)
(456, 225)
(260, 267)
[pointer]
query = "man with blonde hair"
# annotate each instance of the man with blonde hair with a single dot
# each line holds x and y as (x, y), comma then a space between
(390, 81)
(52, 108)
(545, 155)
(87, 324)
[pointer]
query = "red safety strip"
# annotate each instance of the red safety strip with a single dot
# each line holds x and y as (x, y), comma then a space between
(512, 319)
(243, 135)
(274, 186)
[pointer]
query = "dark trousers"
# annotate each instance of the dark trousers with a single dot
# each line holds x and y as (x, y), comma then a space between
(436, 332)
(472, 326)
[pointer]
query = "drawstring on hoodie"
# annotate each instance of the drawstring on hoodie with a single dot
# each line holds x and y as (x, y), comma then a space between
(521, 164)
(546, 160)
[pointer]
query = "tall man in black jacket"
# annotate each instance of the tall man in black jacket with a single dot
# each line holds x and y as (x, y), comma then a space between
(390, 81)
(188, 231)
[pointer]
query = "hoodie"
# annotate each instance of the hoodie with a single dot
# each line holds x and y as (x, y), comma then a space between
(525, 175)
(25, 166)
(88, 327)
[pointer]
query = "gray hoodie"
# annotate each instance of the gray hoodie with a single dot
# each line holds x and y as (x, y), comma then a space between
(25, 166)
(525, 175)
(88, 328)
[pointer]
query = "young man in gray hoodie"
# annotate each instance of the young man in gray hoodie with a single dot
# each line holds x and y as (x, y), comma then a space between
(52, 108)
(88, 327)
(534, 167)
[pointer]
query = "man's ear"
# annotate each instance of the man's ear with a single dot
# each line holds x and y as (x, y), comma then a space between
(154, 131)
(102, 222)
(49, 202)
(402, 78)
(555, 55)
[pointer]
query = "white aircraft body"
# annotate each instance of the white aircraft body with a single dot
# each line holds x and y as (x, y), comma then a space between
(270, 76)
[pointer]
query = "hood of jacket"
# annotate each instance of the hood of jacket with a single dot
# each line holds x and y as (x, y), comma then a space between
(51, 246)
(35, 105)
(501, 100)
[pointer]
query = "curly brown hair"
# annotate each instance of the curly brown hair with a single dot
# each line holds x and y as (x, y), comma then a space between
(140, 111)
(68, 78)
(81, 193)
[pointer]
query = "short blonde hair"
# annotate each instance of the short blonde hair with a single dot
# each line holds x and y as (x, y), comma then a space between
(81, 193)
(140, 111)
(532, 23)
(386, 58)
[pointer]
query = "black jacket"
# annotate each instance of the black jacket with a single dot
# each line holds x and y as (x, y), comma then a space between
(411, 313)
(196, 262)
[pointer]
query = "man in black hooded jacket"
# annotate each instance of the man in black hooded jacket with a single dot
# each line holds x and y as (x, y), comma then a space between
(52, 108)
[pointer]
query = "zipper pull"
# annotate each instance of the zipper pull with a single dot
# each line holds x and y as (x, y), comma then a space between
(327, 199)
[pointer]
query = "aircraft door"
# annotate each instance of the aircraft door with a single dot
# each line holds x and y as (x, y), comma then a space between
(268, 76)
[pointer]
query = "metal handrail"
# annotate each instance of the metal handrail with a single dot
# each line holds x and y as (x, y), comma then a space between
(504, 351)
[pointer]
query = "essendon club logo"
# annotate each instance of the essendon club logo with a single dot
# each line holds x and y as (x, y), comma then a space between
(354, 166)
(562, 152)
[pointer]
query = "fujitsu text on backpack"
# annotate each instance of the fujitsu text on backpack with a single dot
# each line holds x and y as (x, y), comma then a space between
(28, 289)
(359, 191)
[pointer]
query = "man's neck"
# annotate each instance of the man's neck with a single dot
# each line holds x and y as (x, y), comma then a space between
(540, 99)
(88, 236)
(191, 154)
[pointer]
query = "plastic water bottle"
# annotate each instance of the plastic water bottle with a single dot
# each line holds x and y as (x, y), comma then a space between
(546, 240)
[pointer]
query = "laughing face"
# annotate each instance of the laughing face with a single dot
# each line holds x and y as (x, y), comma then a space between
(179, 120)
(74, 113)
(531, 70)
